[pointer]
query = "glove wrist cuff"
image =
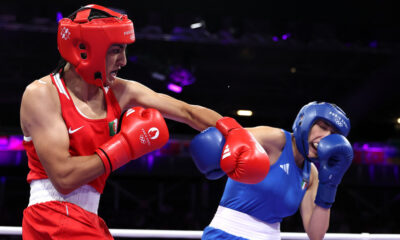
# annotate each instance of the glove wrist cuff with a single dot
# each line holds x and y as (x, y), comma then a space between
(326, 195)
(226, 124)
(105, 159)
(114, 153)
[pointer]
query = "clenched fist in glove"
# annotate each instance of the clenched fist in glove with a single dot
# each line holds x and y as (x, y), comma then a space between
(206, 148)
(142, 131)
(243, 158)
(335, 155)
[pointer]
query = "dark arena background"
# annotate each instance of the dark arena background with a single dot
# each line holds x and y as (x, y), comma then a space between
(269, 57)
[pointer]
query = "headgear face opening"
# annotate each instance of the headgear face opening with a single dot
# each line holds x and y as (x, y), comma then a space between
(84, 42)
(312, 112)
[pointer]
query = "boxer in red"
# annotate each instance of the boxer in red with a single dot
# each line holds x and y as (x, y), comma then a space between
(70, 119)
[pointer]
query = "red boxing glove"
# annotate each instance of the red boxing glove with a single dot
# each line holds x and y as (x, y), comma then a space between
(142, 131)
(243, 158)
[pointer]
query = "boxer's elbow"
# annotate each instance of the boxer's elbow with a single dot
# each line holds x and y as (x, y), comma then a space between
(63, 184)
(63, 180)
(317, 236)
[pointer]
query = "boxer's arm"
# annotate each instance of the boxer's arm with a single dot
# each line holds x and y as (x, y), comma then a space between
(41, 119)
(315, 219)
(271, 139)
(131, 93)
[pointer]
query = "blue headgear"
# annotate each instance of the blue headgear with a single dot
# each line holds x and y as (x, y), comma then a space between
(313, 112)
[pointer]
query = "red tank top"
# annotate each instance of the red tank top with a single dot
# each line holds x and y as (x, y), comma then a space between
(85, 135)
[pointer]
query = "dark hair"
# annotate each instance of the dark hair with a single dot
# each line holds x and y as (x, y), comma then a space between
(60, 67)
(94, 13)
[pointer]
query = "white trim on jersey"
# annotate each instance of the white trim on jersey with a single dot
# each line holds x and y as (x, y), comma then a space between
(27, 139)
(60, 86)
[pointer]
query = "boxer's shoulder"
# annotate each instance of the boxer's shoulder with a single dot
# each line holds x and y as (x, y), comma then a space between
(41, 91)
(40, 86)
(272, 139)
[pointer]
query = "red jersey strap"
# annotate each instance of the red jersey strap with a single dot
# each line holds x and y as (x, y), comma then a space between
(65, 98)
(112, 103)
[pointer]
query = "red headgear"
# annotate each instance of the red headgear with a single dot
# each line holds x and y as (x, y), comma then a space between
(84, 42)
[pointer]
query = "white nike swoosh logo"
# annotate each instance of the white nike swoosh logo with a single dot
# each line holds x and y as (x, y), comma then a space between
(129, 112)
(70, 131)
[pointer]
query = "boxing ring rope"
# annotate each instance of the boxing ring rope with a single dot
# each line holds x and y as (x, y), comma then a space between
(187, 234)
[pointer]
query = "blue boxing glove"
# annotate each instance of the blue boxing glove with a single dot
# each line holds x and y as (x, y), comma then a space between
(335, 155)
(206, 149)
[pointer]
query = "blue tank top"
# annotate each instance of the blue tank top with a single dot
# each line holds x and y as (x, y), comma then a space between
(279, 195)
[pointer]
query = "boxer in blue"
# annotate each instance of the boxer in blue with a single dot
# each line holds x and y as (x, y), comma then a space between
(254, 211)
